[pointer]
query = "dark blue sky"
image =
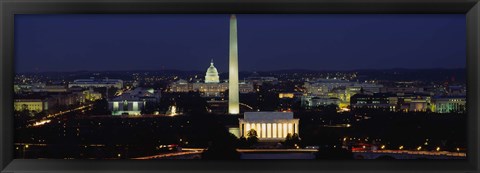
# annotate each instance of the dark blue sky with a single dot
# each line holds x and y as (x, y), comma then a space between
(266, 42)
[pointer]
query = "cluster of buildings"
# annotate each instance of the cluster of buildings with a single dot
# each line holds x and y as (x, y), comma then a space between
(353, 95)
(96, 83)
(409, 102)
(210, 87)
(40, 97)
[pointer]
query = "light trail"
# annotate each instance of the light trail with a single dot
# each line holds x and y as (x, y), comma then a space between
(276, 150)
(51, 116)
(187, 151)
(431, 153)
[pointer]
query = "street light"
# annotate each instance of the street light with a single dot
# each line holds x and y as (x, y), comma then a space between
(24, 150)
(401, 147)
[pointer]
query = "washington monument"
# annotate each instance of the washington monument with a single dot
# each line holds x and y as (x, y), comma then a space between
(233, 100)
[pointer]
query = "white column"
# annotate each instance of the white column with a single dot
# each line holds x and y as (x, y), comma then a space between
(274, 130)
(264, 130)
(296, 128)
(259, 130)
(290, 128)
(285, 130)
(280, 130)
(269, 130)
(247, 129)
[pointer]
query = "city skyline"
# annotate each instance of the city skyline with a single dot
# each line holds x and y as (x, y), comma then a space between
(141, 42)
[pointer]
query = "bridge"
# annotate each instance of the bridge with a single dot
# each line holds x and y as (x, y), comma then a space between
(186, 153)
(196, 153)
(277, 153)
(405, 154)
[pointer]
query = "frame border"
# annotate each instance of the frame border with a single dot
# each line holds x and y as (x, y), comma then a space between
(8, 9)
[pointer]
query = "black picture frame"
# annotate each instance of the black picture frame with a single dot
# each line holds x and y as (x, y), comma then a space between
(8, 9)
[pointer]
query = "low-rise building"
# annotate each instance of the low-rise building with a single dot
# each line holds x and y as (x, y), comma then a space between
(450, 104)
(270, 126)
(132, 102)
(97, 83)
(35, 105)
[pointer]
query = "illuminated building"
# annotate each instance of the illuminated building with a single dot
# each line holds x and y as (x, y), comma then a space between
(383, 101)
(67, 99)
(449, 104)
(132, 102)
(414, 102)
(211, 76)
(270, 126)
(401, 90)
(419, 105)
(180, 86)
(368, 87)
(35, 105)
(256, 79)
(286, 95)
(212, 87)
(49, 88)
(321, 87)
(92, 82)
(233, 93)
(39, 87)
(91, 95)
(315, 101)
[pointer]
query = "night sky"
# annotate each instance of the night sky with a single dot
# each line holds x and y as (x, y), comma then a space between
(266, 42)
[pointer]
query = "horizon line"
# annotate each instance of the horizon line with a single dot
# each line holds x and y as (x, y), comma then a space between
(311, 70)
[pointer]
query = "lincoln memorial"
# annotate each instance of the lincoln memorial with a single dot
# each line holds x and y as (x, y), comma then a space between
(270, 126)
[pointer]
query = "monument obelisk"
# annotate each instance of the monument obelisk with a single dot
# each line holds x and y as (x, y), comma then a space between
(233, 100)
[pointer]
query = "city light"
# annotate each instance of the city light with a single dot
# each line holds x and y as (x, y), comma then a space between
(278, 109)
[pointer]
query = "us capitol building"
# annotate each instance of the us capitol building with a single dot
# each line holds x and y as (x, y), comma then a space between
(211, 87)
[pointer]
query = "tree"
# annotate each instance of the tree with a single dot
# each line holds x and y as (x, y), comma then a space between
(100, 107)
(242, 142)
(149, 108)
(296, 139)
(252, 138)
(292, 140)
(288, 140)
(222, 147)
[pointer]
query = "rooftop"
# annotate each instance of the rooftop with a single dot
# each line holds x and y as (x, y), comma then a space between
(267, 115)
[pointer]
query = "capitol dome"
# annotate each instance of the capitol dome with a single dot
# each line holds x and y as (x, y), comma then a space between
(212, 74)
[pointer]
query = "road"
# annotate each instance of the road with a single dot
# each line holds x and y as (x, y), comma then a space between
(49, 117)
(185, 151)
